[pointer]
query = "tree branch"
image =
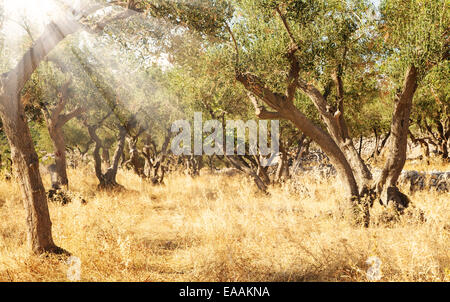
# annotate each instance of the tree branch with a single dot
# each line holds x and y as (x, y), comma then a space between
(63, 119)
(234, 41)
(62, 100)
(255, 85)
(286, 26)
(399, 131)
(261, 112)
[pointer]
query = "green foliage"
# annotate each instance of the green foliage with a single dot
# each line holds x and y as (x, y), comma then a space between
(178, 57)
(204, 16)
(432, 102)
(415, 32)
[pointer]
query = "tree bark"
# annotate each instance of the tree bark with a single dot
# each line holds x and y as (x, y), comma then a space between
(59, 145)
(376, 151)
(282, 172)
(106, 180)
(327, 144)
(55, 121)
(423, 144)
(134, 161)
(155, 161)
(26, 169)
(105, 155)
(360, 145)
(397, 141)
(338, 131)
(109, 178)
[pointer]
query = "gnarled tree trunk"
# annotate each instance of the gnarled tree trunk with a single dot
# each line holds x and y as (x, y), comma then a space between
(155, 160)
(23, 154)
(397, 142)
(55, 121)
(135, 160)
(107, 180)
(60, 156)
(282, 172)
(26, 169)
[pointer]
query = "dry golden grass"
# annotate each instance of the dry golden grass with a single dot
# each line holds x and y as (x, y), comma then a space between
(431, 164)
(434, 163)
(216, 228)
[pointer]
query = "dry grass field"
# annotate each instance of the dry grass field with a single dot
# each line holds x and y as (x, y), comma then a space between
(217, 228)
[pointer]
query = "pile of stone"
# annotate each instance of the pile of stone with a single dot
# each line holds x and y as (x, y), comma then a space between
(414, 180)
(431, 181)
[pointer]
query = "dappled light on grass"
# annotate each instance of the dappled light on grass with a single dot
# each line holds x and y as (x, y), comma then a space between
(218, 228)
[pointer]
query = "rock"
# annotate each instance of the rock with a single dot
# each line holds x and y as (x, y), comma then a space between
(415, 180)
(418, 181)
(400, 201)
(58, 196)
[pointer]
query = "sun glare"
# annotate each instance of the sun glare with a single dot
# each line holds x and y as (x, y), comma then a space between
(27, 13)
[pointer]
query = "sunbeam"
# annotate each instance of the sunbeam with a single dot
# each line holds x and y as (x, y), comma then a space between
(24, 15)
